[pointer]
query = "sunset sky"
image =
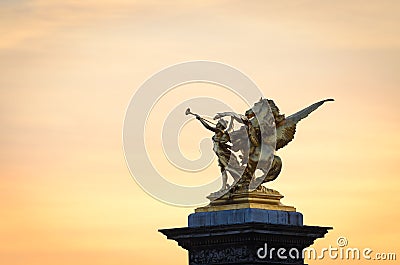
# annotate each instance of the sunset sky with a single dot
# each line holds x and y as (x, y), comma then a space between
(68, 70)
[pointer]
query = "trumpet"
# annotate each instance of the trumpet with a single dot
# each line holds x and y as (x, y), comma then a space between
(187, 112)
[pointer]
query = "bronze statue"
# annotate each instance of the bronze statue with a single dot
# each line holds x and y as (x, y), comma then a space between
(264, 131)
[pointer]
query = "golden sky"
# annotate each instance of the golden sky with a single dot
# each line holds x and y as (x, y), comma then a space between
(69, 68)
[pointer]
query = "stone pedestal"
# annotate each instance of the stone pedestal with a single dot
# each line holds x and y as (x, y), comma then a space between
(244, 230)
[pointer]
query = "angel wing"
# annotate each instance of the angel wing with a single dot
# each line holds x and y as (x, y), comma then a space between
(286, 129)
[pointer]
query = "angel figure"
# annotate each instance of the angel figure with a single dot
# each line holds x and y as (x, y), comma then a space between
(227, 161)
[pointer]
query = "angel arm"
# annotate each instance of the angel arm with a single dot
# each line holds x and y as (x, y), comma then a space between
(233, 115)
(205, 124)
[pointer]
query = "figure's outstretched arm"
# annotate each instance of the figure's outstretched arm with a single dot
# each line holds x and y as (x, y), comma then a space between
(205, 124)
(237, 117)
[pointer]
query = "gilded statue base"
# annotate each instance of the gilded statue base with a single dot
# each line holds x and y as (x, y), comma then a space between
(267, 199)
